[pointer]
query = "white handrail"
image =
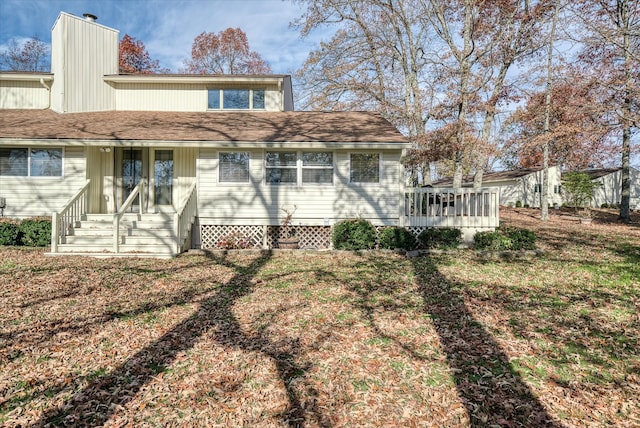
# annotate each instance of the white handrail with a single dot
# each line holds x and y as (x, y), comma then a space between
(447, 207)
(64, 219)
(185, 215)
(138, 190)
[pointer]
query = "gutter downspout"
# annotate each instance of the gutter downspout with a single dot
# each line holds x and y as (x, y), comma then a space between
(48, 88)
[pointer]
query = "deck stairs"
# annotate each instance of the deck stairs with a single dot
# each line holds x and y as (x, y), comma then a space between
(144, 235)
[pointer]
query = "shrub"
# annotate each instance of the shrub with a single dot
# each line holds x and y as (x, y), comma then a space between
(353, 234)
(9, 233)
(36, 232)
(521, 239)
(518, 204)
(396, 237)
(508, 238)
(440, 237)
(495, 241)
(605, 205)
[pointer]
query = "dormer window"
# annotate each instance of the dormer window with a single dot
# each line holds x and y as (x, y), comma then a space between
(236, 99)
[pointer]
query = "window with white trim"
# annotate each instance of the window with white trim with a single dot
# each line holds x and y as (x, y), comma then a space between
(364, 167)
(317, 167)
(235, 99)
(281, 167)
(294, 167)
(233, 167)
(31, 162)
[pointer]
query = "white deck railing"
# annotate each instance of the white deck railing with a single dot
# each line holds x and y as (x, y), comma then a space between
(137, 191)
(185, 215)
(444, 207)
(65, 219)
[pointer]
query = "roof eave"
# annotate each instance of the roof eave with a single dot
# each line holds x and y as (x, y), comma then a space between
(354, 145)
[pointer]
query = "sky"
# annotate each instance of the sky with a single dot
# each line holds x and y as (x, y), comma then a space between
(168, 27)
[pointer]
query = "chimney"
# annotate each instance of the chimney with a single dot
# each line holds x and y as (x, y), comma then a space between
(90, 17)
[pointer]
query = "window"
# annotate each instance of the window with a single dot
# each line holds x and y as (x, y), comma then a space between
(365, 167)
(234, 167)
(537, 188)
(557, 189)
(236, 99)
(317, 167)
(281, 167)
(299, 167)
(23, 162)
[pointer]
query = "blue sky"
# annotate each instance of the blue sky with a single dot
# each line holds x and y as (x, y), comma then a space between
(168, 27)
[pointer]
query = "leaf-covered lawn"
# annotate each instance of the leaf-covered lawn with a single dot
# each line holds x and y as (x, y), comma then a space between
(328, 339)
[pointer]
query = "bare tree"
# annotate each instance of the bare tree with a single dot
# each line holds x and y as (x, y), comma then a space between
(226, 52)
(29, 55)
(612, 47)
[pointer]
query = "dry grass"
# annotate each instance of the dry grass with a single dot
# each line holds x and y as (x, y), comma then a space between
(329, 339)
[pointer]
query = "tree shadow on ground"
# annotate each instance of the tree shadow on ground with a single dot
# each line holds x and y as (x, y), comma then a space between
(97, 402)
(491, 391)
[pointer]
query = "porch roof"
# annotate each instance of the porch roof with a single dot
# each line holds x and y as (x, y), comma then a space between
(220, 127)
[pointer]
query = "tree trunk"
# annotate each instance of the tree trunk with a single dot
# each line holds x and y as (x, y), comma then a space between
(625, 201)
(544, 202)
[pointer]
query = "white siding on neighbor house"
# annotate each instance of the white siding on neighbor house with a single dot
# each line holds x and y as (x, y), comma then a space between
(523, 189)
(259, 203)
(610, 192)
(177, 97)
(82, 52)
(41, 196)
(23, 95)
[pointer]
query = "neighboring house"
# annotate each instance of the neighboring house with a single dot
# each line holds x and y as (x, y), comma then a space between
(520, 185)
(196, 158)
(609, 192)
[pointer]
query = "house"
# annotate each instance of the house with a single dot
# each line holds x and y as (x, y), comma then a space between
(518, 187)
(156, 164)
(609, 192)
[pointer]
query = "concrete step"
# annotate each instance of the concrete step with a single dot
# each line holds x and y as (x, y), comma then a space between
(124, 248)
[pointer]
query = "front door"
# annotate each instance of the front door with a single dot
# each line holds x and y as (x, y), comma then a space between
(132, 166)
(163, 180)
(137, 163)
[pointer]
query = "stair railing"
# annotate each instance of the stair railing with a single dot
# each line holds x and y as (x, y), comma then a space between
(138, 190)
(185, 215)
(63, 221)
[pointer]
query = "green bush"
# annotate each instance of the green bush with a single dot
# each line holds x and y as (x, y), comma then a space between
(36, 232)
(508, 238)
(442, 238)
(521, 239)
(518, 204)
(397, 237)
(353, 234)
(9, 233)
(605, 205)
(495, 241)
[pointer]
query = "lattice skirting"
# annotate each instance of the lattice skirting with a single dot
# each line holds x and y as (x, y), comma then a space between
(239, 236)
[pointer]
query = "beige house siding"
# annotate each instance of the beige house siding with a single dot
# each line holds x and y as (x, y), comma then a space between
(78, 85)
(23, 95)
(177, 97)
(40, 196)
(259, 203)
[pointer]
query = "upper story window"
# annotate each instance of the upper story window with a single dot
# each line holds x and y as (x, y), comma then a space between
(365, 167)
(234, 167)
(24, 162)
(236, 99)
